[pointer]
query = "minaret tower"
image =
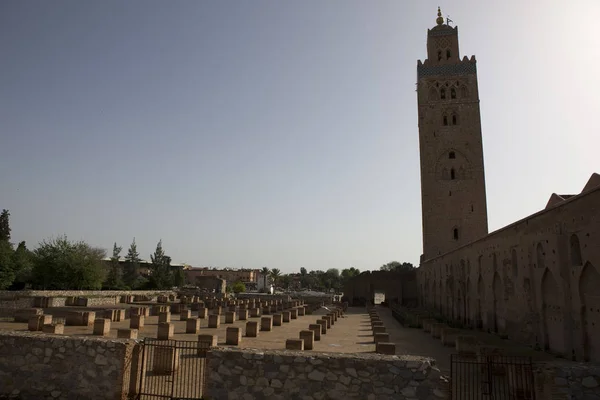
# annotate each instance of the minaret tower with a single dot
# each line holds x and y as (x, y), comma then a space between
(452, 175)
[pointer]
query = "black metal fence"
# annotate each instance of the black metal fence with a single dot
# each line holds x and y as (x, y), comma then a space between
(491, 378)
(172, 369)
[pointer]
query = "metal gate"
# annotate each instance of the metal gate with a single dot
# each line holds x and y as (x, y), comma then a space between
(172, 369)
(491, 378)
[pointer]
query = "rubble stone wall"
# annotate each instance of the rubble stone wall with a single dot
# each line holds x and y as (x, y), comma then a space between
(255, 374)
(34, 366)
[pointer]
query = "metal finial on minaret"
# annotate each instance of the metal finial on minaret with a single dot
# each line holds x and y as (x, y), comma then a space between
(440, 19)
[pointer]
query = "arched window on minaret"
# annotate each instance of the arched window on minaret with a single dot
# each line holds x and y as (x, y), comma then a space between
(464, 92)
(448, 54)
(452, 174)
(452, 93)
(439, 55)
(455, 233)
(445, 120)
(443, 94)
(452, 155)
(433, 94)
(454, 119)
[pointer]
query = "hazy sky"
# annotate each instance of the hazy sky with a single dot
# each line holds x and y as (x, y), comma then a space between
(276, 133)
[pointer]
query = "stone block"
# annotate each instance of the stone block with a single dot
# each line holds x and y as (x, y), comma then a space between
(385, 348)
(165, 331)
(26, 313)
(323, 324)
(230, 317)
(466, 344)
(255, 312)
(316, 328)
(427, 324)
(102, 327)
(137, 321)
(252, 329)
(301, 313)
(202, 312)
(294, 313)
(266, 324)
(449, 336)
(331, 318)
(164, 317)
(327, 319)
(294, 344)
(208, 340)
(381, 337)
(217, 310)
(379, 329)
(277, 318)
(165, 360)
(127, 333)
(57, 329)
(233, 336)
(308, 337)
(214, 320)
(285, 316)
(243, 314)
(184, 315)
(192, 325)
(436, 330)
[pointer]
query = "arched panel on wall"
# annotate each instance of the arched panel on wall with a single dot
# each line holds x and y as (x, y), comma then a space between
(540, 256)
(480, 300)
(552, 314)
(479, 265)
(589, 293)
(514, 264)
(575, 251)
(469, 299)
(497, 297)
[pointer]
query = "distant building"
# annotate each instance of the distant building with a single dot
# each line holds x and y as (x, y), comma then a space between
(229, 275)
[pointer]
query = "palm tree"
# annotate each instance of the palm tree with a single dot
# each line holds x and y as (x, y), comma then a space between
(265, 273)
(275, 274)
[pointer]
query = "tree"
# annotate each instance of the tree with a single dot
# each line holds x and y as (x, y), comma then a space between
(7, 269)
(132, 266)
(238, 287)
(23, 266)
(286, 280)
(303, 271)
(265, 273)
(114, 279)
(60, 264)
(179, 277)
(4, 226)
(160, 270)
(395, 266)
(275, 274)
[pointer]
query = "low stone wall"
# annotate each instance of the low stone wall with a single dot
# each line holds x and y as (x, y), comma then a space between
(34, 366)
(255, 374)
(26, 298)
(567, 380)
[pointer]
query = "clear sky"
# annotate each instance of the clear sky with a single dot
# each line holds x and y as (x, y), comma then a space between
(276, 133)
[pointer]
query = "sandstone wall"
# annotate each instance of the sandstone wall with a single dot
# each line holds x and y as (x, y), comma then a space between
(535, 280)
(278, 375)
(34, 366)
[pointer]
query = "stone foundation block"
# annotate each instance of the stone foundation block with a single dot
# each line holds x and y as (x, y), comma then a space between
(277, 318)
(214, 321)
(57, 329)
(233, 336)
(230, 317)
(379, 329)
(381, 337)
(266, 324)
(192, 325)
(466, 344)
(184, 315)
(308, 337)
(285, 316)
(323, 324)
(165, 331)
(294, 344)
(202, 312)
(294, 313)
(316, 328)
(449, 336)
(164, 317)
(127, 333)
(436, 330)
(208, 340)
(243, 314)
(327, 319)
(26, 313)
(255, 312)
(301, 313)
(385, 348)
(137, 321)
(37, 322)
(252, 329)
(102, 327)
